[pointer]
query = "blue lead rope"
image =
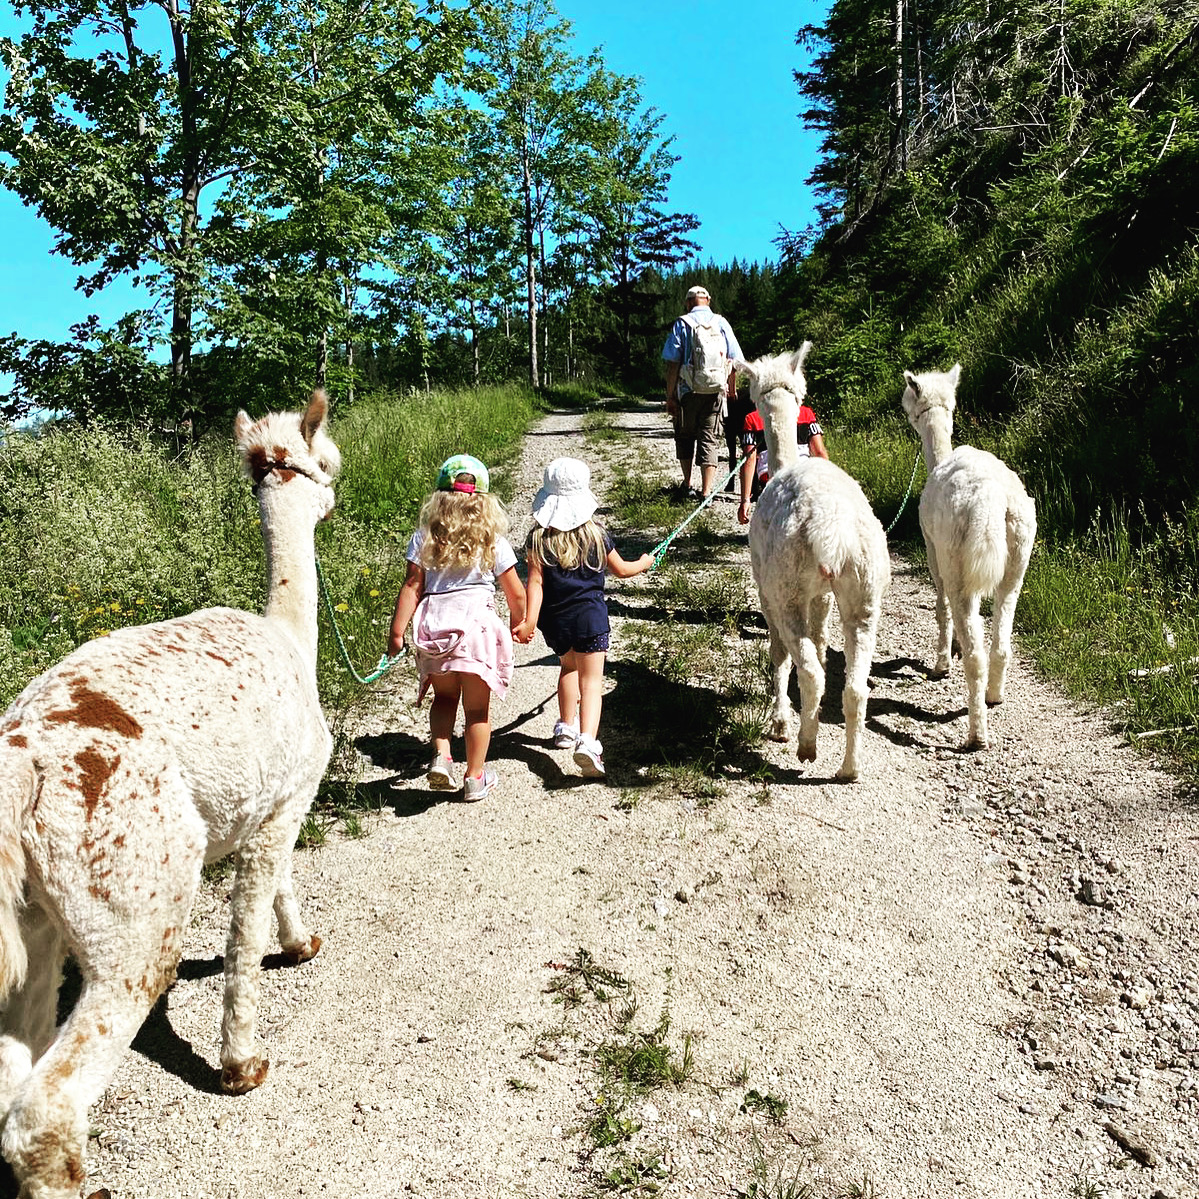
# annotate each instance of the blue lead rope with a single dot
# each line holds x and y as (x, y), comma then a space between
(659, 550)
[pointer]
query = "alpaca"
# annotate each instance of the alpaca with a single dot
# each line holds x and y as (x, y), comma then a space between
(813, 537)
(979, 525)
(123, 770)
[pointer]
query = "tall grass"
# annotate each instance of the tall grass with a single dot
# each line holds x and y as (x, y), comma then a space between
(102, 528)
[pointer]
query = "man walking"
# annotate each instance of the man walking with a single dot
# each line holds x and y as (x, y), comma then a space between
(699, 355)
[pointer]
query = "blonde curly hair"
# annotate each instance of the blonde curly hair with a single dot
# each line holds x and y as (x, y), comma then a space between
(461, 529)
(570, 548)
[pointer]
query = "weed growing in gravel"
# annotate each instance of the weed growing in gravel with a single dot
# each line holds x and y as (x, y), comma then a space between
(1086, 1187)
(518, 1085)
(860, 1190)
(609, 1125)
(769, 1105)
(633, 1176)
(643, 1061)
(585, 970)
(598, 427)
(706, 595)
(314, 832)
(770, 1179)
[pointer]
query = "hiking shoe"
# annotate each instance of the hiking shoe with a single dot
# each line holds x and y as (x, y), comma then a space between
(440, 774)
(565, 735)
(480, 788)
(589, 757)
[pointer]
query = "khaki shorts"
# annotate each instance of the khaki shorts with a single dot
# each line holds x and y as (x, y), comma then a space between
(698, 432)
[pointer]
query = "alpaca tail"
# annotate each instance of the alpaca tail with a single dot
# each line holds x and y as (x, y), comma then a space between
(985, 556)
(16, 793)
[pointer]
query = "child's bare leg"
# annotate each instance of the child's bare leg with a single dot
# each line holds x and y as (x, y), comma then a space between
(476, 708)
(447, 688)
(568, 689)
(590, 668)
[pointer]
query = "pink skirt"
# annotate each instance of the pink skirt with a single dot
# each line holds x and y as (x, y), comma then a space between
(461, 631)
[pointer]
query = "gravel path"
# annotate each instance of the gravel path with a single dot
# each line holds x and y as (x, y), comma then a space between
(966, 975)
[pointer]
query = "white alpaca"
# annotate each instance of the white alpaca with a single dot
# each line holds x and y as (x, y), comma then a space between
(979, 525)
(123, 770)
(813, 537)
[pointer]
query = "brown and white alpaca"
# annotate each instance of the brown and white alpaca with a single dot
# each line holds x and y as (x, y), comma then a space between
(979, 525)
(123, 770)
(813, 537)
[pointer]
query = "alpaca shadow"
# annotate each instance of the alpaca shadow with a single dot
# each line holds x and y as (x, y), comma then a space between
(885, 706)
(906, 670)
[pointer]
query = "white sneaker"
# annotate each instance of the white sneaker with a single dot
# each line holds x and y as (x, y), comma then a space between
(440, 775)
(565, 735)
(480, 788)
(589, 757)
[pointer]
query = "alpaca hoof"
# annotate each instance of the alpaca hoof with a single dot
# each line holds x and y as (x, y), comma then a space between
(975, 743)
(939, 671)
(780, 730)
(806, 753)
(237, 1080)
(304, 952)
(102, 1193)
(994, 703)
(845, 775)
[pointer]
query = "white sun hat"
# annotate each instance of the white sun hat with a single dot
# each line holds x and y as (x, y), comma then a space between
(565, 500)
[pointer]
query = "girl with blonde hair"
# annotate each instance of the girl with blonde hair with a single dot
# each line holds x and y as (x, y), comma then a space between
(461, 647)
(568, 554)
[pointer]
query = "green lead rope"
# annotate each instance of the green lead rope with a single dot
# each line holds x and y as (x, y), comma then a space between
(385, 663)
(659, 550)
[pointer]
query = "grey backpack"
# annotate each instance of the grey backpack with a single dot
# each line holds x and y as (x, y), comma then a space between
(708, 369)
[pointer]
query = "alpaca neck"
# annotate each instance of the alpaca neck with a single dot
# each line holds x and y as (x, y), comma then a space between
(780, 412)
(291, 572)
(936, 436)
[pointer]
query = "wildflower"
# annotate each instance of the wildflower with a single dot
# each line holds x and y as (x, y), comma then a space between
(114, 607)
(342, 607)
(139, 602)
(374, 592)
(366, 570)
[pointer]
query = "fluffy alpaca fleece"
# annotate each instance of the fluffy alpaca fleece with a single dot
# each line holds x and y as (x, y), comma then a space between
(812, 538)
(123, 770)
(979, 525)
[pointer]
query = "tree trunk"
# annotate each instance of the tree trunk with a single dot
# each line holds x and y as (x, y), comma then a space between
(183, 286)
(901, 137)
(530, 265)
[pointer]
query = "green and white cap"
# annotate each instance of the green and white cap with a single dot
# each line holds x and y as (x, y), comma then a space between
(463, 464)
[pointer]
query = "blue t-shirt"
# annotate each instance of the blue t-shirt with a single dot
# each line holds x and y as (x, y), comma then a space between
(573, 610)
(678, 340)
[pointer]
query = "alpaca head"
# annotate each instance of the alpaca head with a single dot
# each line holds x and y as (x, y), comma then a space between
(778, 372)
(932, 389)
(284, 446)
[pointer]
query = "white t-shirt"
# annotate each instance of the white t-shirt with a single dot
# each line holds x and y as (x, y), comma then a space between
(439, 581)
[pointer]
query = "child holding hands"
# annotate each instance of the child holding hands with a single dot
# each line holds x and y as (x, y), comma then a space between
(568, 554)
(461, 647)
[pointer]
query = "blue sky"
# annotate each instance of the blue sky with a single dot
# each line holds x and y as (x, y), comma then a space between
(720, 72)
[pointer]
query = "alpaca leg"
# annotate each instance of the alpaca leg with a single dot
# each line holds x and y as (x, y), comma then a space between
(819, 612)
(859, 653)
(780, 662)
(944, 623)
(260, 872)
(126, 964)
(811, 691)
(970, 628)
(1003, 615)
(294, 938)
(30, 1013)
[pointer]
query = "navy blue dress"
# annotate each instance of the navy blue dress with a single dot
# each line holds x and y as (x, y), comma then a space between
(574, 614)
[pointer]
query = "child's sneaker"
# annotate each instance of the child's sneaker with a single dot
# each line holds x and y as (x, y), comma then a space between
(589, 757)
(565, 735)
(440, 774)
(480, 788)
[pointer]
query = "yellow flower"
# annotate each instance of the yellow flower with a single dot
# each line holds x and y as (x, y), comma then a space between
(342, 607)
(366, 570)
(139, 602)
(114, 607)
(374, 592)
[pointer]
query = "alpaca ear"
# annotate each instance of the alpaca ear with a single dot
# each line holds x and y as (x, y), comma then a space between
(912, 381)
(744, 368)
(314, 416)
(955, 374)
(242, 425)
(797, 358)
